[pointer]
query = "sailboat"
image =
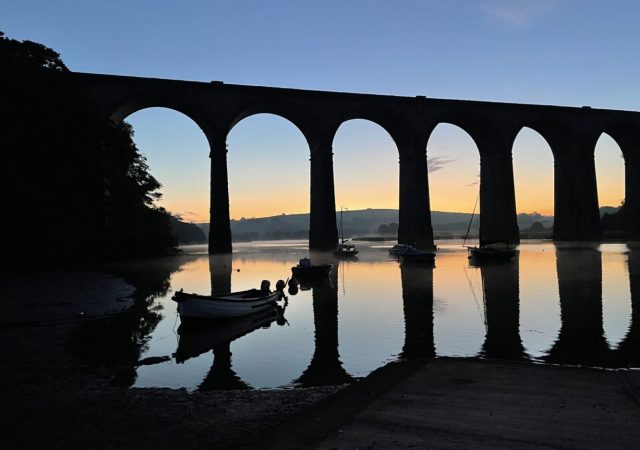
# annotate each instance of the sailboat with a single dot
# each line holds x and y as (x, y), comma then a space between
(343, 248)
(488, 250)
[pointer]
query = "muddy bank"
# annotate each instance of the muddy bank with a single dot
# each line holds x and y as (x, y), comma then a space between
(53, 395)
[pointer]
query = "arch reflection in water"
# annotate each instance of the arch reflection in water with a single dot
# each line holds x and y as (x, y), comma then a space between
(629, 348)
(325, 368)
(581, 339)
(417, 301)
(501, 298)
(217, 336)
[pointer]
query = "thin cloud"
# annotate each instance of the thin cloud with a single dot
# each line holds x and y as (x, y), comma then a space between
(438, 162)
(518, 13)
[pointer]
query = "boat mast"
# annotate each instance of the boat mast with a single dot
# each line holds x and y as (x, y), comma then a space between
(341, 227)
(471, 221)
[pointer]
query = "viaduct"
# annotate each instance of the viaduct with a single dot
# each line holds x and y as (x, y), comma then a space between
(571, 133)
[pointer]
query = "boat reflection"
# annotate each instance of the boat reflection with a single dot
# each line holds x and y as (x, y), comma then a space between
(628, 349)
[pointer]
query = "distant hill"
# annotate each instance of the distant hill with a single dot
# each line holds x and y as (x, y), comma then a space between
(365, 222)
(186, 233)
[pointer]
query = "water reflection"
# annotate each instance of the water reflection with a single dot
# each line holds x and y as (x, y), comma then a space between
(629, 347)
(216, 336)
(549, 305)
(115, 344)
(501, 298)
(417, 303)
(325, 368)
(220, 268)
(581, 339)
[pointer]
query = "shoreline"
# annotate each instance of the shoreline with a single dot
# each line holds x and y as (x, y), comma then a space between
(57, 399)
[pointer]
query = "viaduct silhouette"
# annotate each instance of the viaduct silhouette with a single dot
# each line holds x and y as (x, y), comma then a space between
(571, 133)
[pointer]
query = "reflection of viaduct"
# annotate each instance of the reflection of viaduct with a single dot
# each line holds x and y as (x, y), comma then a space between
(571, 133)
(580, 340)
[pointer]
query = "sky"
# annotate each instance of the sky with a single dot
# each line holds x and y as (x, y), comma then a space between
(560, 52)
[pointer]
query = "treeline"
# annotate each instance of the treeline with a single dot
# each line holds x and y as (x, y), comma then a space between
(73, 184)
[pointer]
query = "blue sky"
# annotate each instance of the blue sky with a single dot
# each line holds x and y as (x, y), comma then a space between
(565, 52)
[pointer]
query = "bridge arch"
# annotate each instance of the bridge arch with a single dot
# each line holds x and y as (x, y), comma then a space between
(397, 127)
(367, 175)
(173, 144)
(299, 118)
(454, 168)
(276, 146)
(533, 168)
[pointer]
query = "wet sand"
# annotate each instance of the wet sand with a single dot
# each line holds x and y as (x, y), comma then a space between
(463, 403)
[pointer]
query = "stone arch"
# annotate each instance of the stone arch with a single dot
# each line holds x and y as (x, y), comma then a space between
(471, 183)
(300, 119)
(124, 107)
(480, 128)
(535, 176)
(270, 142)
(556, 132)
(395, 125)
(603, 199)
(177, 147)
(376, 179)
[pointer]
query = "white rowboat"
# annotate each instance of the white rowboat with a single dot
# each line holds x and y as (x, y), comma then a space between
(234, 304)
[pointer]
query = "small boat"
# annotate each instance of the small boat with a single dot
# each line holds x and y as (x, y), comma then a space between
(399, 249)
(343, 248)
(305, 270)
(233, 304)
(412, 254)
(486, 252)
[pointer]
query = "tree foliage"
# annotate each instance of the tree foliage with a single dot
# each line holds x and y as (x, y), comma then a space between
(73, 184)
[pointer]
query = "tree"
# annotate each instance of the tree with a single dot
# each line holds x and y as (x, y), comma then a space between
(74, 184)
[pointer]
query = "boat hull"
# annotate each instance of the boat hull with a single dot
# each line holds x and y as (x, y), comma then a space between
(422, 258)
(490, 254)
(225, 306)
(308, 272)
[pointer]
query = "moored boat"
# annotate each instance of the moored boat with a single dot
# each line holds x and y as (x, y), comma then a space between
(491, 253)
(233, 304)
(399, 249)
(306, 270)
(343, 248)
(412, 254)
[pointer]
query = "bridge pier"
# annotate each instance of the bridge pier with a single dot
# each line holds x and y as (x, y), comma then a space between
(632, 191)
(219, 223)
(323, 230)
(501, 290)
(414, 207)
(498, 219)
(576, 215)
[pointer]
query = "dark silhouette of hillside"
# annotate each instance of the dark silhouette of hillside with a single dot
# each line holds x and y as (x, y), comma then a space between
(366, 222)
(74, 185)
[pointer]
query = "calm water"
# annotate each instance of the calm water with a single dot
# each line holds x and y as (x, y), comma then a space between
(566, 305)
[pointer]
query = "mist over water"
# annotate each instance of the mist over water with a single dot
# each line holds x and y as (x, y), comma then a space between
(565, 304)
